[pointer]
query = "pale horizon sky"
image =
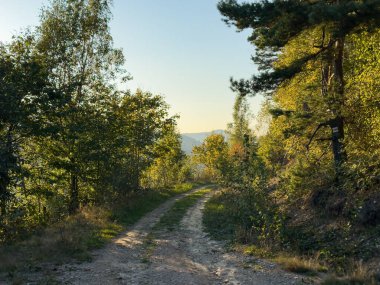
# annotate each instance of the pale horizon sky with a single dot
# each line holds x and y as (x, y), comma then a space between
(179, 49)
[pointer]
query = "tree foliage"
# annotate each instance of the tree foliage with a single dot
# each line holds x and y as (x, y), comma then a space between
(319, 63)
(68, 136)
(275, 23)
(212, 154)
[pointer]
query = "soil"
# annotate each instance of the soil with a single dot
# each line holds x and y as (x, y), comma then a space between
(185, 256)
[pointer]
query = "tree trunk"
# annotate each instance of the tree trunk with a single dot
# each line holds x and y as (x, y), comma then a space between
(74, 194)
(333, 92)
(7, 160)
(4, 194)
(338, 89)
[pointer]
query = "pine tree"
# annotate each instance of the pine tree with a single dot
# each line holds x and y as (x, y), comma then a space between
(277, 22)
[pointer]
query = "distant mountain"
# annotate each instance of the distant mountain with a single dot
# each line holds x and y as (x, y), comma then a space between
(189, 140)
(201, 136)
(188, 143)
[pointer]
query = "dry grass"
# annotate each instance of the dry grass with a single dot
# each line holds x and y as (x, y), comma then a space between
(308, 266)
(357, 274)
(75, 236)
(71, 238)
(260, 252)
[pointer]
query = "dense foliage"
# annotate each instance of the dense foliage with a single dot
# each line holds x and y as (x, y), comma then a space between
(68, 136)
(317, 191)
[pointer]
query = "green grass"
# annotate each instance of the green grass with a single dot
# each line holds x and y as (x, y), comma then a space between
(217, 220)
(171, 219)
(221, 225)
(149, 247)
(129, 212)
(253, 250)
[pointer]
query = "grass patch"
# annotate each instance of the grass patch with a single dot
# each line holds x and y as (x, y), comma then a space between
(149, 246)
(217, 220)
(221, 225)
(75, 236)
(304, 241)
(310, 267)
(296, 264)
(172, 218)
(253, 250)
(357, 274)
(130, 211)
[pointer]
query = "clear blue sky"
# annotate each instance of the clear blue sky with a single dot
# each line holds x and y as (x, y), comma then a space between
(179, 49)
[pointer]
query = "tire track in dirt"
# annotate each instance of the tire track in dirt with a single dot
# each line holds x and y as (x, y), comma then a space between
(188, 256)
(122, 258)
(184, 256)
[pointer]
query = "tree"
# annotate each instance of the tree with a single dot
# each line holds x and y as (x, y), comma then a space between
(76, 45)
(143, 118)
(242, 156)
(165, 170)
(213, 154)
(68, 135)
(24, 97)
(239, 128)
(276, 23)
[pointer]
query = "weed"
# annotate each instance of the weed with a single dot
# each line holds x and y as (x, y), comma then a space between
(253, 250)
(220, 224)
(172, 218)
(357, 274)
(217, 220)
(149, 246)
(301, 265)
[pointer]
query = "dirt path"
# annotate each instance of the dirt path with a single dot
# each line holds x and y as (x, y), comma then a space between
(184, 256)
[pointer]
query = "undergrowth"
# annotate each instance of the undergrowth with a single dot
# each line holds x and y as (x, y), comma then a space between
(223, 221)
(74, 237)
(172, 218)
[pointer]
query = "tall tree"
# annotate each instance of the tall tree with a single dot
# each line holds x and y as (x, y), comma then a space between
(143, 117)
(24, 97)
(277, 22)
(168, 159)
(75, 40)
(239, 128)
(212, 153)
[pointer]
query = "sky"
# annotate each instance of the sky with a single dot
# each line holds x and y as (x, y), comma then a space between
(179, 49)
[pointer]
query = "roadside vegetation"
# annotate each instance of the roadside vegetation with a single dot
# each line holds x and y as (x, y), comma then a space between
(172, 218)
(80, 158)
(77, 235)
(305, 193)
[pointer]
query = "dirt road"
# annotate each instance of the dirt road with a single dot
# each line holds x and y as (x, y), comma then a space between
(184, 256)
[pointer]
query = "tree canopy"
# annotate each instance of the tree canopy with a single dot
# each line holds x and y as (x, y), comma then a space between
(69, 136)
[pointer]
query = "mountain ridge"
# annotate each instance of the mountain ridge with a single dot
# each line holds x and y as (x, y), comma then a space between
(189, 140)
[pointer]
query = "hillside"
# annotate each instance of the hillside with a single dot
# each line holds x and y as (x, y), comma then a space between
(188, 143)
(189, 140)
